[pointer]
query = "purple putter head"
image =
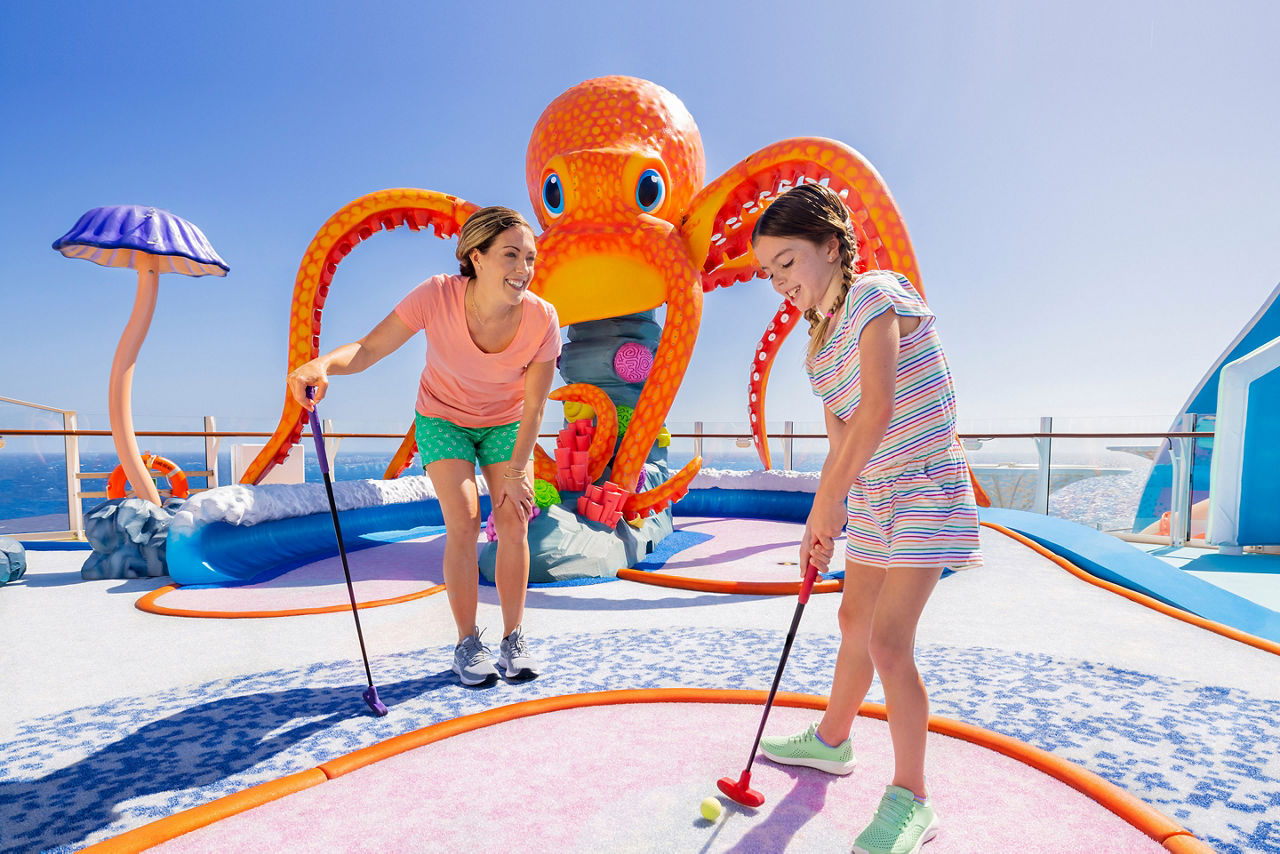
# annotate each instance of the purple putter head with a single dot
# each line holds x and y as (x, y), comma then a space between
(371, 697)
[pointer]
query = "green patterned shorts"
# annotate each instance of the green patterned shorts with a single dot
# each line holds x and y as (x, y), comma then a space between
(441, 439)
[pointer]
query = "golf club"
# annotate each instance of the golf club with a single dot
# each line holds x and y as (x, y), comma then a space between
(740, 790)
(371, 693)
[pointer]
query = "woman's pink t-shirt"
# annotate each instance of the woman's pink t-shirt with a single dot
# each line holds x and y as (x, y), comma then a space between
(461, 382)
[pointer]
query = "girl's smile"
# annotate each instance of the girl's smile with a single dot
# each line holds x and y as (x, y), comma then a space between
(806, 274)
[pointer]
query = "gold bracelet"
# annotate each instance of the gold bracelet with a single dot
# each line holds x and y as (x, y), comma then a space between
(521, 476)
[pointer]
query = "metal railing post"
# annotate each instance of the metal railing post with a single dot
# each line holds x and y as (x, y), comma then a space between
(697, 438)
(788, 427)
(1045, 447)
(75, 516)
(211, 450)
(1181, 453)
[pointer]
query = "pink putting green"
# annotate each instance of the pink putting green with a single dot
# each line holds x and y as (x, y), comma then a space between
(746, 556)
(739, 550)
(632, 777)
(381, 575)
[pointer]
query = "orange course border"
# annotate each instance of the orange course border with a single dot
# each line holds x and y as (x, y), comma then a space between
(1140, 598)
(715, 585)
(1136, 812)
(149, 604)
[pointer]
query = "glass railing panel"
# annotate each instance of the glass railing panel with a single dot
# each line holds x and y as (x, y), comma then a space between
(1112, 480)
(33, 473)
(681, 449)
(1099, 482)
(808, 454)
(1008, 470)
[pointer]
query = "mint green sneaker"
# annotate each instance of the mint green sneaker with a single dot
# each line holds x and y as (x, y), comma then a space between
(902, 824)
(805, 749)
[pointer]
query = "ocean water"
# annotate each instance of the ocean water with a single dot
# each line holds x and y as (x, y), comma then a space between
(33, 485)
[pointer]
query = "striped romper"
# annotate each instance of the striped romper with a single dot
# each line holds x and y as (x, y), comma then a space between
(913, 504)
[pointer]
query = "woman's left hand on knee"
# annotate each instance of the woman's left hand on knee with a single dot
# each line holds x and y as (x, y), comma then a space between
(519, 494)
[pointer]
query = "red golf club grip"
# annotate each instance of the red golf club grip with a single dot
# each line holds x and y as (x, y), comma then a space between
(810, 575)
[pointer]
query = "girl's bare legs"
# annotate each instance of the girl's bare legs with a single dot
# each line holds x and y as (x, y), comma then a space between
(511, 565)
(455, 486)
(893, 640)
(854, 669)
(879, 612)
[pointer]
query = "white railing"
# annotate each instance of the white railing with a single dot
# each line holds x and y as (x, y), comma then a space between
(72, 443)
(1182, 446)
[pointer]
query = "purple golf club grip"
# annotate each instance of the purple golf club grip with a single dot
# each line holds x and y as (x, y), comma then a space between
(315, 433)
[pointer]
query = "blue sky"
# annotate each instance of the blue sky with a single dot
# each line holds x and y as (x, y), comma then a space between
(1093, 188)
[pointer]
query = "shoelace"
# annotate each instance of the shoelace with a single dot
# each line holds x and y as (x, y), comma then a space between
(475, 649)
(896, 812)
(518, 647)
(811, 732)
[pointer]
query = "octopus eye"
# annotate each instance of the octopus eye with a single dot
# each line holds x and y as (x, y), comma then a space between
(650, 190)
(553, 194)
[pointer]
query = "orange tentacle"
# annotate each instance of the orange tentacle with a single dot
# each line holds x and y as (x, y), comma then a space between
(606, 435)
(544, 467)
(781, 325)
(717, 226)
(358, 220)
(403, 457)
(680, 332)
(742, 269)
(720, 219)
(656, 500)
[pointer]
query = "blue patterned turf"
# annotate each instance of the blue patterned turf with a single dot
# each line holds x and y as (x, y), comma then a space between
(1201, 754)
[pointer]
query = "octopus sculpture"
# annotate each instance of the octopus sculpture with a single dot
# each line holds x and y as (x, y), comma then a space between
(615, 170)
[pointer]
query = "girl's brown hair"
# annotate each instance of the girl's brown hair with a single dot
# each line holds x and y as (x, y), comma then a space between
(814, 213)
(479, 232)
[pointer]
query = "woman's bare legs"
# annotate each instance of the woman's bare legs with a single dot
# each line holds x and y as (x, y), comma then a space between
(455, 486)
(511, 565)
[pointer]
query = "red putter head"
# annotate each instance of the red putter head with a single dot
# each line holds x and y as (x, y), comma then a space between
(740, 790)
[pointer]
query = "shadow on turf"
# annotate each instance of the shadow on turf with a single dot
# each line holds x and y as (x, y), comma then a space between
(805, 799)
(204, 745)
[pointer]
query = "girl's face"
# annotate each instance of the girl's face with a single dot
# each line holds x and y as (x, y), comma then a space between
(507, 265)
(801, 271)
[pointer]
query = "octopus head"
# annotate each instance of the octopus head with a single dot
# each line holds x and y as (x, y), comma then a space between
(611, 167)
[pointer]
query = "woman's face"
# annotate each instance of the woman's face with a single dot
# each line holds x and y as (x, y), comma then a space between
(801, 271)
(507, 265)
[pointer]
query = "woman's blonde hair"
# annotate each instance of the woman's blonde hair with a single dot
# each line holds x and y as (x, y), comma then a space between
(480, 230)
(815, 213)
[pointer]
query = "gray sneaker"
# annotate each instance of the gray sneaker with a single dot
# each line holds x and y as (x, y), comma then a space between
(513, 656)
(473, 662)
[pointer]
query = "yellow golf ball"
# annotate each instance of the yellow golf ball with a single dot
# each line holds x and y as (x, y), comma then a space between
(711, 808)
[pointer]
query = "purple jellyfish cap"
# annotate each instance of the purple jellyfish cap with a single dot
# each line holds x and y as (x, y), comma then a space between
(114, 236)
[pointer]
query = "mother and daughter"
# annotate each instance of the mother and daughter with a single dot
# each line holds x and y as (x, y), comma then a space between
(895, 481)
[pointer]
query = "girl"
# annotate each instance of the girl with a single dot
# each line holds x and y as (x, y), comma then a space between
(895, 476)
(491, 353)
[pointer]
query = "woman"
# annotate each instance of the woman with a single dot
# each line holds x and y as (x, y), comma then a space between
(895, 476)
(491, 353)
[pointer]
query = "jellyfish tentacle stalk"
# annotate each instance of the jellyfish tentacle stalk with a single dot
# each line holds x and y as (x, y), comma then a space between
(120, 387)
